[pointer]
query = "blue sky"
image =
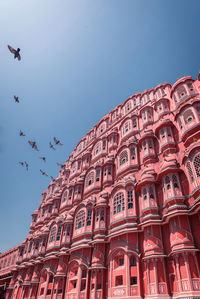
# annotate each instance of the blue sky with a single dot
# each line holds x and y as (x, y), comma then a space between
(80, 59)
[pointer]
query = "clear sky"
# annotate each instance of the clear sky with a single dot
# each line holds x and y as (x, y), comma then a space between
(80, 59)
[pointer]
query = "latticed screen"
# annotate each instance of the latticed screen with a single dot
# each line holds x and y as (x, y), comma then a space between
(123, 157)
(52, 234)
(90, 179)
(118, 203)
(190, 172)
(197, 165)
(80, 219)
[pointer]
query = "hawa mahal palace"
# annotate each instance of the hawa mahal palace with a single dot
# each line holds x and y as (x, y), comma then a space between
(121, 220)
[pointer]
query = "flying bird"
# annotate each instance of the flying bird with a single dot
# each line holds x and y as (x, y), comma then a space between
(52, 178)
(43, 158)
(21, 163)
(16, 99)
(51, 146)
(21, 133)
(57, 141)
(26, 165)
(15, 52)
(33, 145)
(43, 173)
(61, 165)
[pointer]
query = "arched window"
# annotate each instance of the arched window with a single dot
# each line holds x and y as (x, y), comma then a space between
(134, 123)
(90, 179)
(128, 106)
(126, 127)
(98, 173)
(52, 234)
(188, 116)
(80, 219)
(64, 196)
(97, 148)
(181, 91)
(123, 157)
(118, 205)
(89, 217)
(130, 199)
(196, 163)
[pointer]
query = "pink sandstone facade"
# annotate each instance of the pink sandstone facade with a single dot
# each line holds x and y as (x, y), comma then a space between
(122, 219)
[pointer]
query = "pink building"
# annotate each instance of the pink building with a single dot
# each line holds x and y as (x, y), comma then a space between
(122, 219)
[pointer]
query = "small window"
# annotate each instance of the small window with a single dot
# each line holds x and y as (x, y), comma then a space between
(133, 280)
(99, 286)
(84, 274)
(49, 292)
(89, 217)
(58, 233)
(119, 203)
(74, 284)
(133, 261)
(51, 279)
(119, 280)
(102, 215)
(121, 261)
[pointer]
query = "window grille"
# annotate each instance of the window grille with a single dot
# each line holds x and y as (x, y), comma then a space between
(80, 219)
(175, 181)
(89, 217)
(123, 157)
(132, 152)
(130, 199)
(52, 234)
(118, 203)
(90, 179)
(58, 233)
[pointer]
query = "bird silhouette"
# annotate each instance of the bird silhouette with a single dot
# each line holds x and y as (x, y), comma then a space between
(21, 163)
(57, 142)
(52, 178)
(61, 165)
(16, 99)
(43, 158)
(26, 164)
(33, 145)
(43, 173)
(21, 133)
(15, 52)
(51, 146)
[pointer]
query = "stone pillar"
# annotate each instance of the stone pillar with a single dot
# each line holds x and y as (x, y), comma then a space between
(127, 266)
(46, 286)
(88, 284)
(148, 279)
(178, 274)
(79, 282)
(185, 256)
(156, 274)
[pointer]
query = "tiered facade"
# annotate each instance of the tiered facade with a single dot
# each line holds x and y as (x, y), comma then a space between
(122, 219)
